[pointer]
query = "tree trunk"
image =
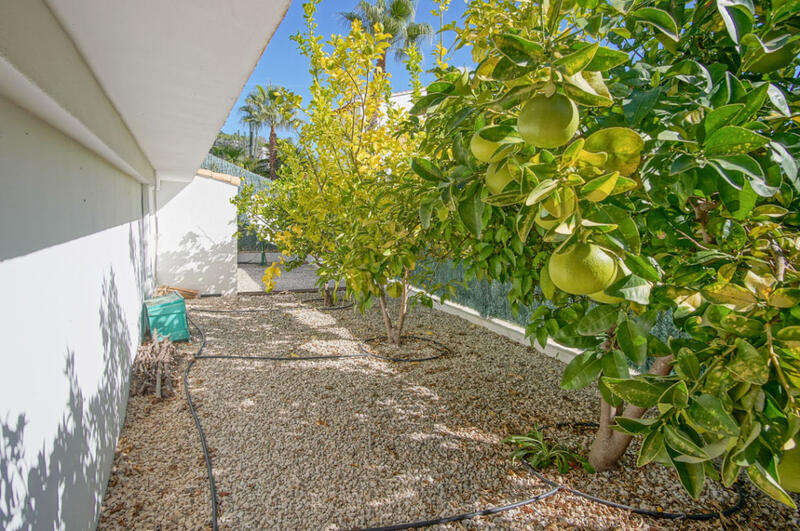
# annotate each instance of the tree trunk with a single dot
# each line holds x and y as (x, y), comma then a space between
(251, 145)
(392, 333)
(382, 62)
(273, 153)
(609, 445)
(327, 296)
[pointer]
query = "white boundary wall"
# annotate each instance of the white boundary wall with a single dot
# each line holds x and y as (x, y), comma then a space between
(196, 224)
(73, 273)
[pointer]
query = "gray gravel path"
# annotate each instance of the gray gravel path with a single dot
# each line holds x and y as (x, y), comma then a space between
(360, 442)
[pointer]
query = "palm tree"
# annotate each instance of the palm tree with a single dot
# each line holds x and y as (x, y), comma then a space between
(397, 18)
(250, 117)
(262, 108)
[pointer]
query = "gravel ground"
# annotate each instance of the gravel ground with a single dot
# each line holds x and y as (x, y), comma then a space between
(362, 442)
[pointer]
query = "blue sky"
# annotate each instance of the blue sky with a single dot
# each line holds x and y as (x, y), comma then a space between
(283, 65)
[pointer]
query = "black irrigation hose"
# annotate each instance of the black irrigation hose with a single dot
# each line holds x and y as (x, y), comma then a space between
(328, 308)
(638, 510)
(443, 350)
(443, 520)
(463, 516)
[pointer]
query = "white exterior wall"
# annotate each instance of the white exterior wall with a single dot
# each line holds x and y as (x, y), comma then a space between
(196, 247)
(73, 274)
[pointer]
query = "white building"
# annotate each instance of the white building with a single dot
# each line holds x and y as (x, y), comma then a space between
(106, 108)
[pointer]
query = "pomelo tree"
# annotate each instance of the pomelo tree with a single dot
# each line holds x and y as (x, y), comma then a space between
(347, 194)
(634, 163)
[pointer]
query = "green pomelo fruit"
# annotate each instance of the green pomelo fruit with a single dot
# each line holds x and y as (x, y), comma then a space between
(496, 179)
(484, 150)
(548, 122)
(582, 268)
(789, 469)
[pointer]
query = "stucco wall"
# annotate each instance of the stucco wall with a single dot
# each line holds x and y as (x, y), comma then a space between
(196, 224)
(73, 274)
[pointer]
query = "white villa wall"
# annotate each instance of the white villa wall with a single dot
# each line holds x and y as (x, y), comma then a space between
(73, 274)
(196, 247)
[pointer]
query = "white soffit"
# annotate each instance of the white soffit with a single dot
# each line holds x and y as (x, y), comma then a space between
(172, 68)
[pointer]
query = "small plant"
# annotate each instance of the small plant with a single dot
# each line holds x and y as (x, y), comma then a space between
(541, 455)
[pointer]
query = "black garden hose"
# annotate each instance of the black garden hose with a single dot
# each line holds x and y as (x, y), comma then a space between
(556, 487)
(327, 308)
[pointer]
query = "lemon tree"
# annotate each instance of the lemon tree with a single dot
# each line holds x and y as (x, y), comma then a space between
(346, 193)
(653, 199)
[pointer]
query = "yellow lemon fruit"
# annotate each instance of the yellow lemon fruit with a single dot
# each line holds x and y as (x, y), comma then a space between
(582, 268)
(548, 122)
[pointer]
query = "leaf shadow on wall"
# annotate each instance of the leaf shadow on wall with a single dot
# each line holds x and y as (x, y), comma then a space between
(64, 489)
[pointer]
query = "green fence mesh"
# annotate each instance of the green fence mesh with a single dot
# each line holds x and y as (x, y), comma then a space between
(487, 298)
(247, 241)
(490, 300)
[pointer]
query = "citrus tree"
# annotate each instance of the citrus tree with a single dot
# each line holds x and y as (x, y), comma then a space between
(347, 194)
(634, 163)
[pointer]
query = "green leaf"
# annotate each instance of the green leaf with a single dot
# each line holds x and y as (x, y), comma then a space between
(606, 59)
(588, 88)
(440, 87)
(546, 284)
(470, 210)
(517, 49)
(633, 426)
(542, 190)
(632, 341)
(598, 320)
(737, 16)
(599, 188)
(642, 267)
(788, 333)
(652, 447)
(583, 370)
(427, 170)
(681, 443)
(762, 479)
(738, 202)
(708, 412)
(506, 70)
(631, 288)
(626, 227)
(721, 116)
(659, 19)
(615, 365)
(641, 105)
(733, 139)
(731, 295)
(502, 134)
(635, 391)
(677, 395)
(426, 102)
(785, 297)
(460, 152)
(505, 199)
(524, 222)
(425, 211)
(692, 476)
(577, 61)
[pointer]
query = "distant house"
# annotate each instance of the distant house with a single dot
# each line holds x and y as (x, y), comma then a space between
(107, 109)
